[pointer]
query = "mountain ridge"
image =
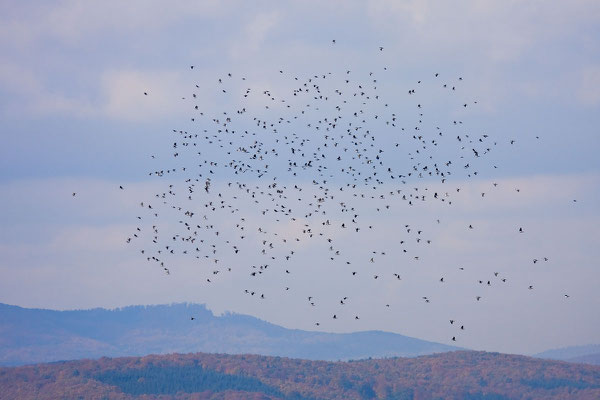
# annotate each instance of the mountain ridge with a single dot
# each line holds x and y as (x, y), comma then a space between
(588, 354)
(38, 335)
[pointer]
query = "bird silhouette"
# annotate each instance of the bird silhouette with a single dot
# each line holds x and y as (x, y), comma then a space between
(257, 184)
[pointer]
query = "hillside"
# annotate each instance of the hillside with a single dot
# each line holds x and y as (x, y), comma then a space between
(35, 335)
(454, 375)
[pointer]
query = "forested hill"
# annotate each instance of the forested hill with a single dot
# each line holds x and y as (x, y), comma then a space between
(453, 375)
(35, 335)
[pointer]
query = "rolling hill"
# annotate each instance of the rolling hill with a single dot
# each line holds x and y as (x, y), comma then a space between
(464, 375)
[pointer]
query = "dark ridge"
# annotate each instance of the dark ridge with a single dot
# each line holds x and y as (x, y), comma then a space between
(154, 379)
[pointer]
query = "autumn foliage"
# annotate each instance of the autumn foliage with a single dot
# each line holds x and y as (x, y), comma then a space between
(455, 375)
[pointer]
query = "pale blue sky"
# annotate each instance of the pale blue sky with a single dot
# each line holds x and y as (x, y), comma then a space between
(73, 118)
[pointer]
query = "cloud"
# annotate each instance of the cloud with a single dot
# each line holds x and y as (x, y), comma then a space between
(125, 98)
(518, 192)
(503, 30)
(73, 22)
(40, 46)
(483, 37)
(118, 96)
(494, 43)
(589, 90)
(91, 240)
(31, 96)
(254, 34)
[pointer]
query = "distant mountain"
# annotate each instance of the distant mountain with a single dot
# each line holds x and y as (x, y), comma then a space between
(36, 335)
(589, 354)
(593, 359)
(459, 375)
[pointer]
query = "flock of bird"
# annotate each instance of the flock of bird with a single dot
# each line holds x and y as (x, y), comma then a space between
(317, 162)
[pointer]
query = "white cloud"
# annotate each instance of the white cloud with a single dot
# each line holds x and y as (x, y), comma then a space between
(518, 192)
(91, 240)
(124, 96)
(589, 90)
(73, 21)
(478, 36)
(494, 42)
(31, 96)
(252, 37)
(119, 95)
(29, 70)
(502, 30)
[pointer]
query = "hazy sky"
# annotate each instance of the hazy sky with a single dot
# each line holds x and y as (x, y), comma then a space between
(74, 119)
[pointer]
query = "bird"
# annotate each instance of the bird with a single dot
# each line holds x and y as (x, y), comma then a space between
(270, 176)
